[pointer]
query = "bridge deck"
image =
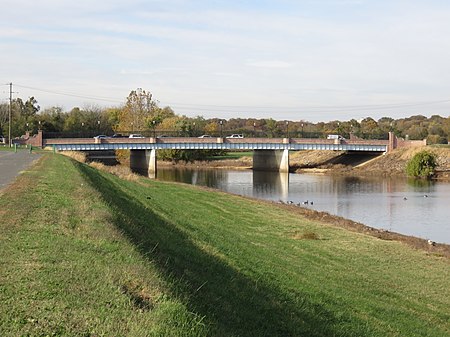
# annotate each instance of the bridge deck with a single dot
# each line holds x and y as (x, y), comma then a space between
(190, 143)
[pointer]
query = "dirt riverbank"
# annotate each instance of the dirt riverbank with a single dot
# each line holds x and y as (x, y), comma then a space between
(430, 247)
(394, 163)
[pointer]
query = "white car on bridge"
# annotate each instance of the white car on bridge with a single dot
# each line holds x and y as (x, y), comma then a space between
(136, 135)
(236, 135)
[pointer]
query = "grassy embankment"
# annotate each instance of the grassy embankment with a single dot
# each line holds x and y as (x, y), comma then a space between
(86, 253)
(5, 147)
(232, 155)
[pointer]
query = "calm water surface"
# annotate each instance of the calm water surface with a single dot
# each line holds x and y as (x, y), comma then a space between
(405, 206)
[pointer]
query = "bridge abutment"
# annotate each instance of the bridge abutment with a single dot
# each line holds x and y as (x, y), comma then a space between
(271, 160)
(143, 162)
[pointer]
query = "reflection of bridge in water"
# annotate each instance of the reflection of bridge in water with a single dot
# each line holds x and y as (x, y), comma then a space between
(270, 154)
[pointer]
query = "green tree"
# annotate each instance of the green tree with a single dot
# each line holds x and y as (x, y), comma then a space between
(170, 125)
(73, 120)
(436, 139)
(53, 119)
(162, 113)
(211, 128)
(417, 131)
(27, 109)
(369, 128)
(113, 115)
(23, 116)
(271, 127)
(188, 155)
(446, 126)
(4, 115)
(422, 165)
(138, 112)
(95, 119)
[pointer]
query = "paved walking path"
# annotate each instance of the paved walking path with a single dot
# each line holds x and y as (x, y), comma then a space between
(13, 163)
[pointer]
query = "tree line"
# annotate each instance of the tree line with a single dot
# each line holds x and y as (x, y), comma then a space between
(141, 114)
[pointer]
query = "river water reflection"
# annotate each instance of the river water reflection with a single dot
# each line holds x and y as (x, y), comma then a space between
(418, 208)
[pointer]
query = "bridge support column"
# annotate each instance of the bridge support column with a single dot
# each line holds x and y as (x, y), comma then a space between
(143, 162)
(392, 142)
(271, 160)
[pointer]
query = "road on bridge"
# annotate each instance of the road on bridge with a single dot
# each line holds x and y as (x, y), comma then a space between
(13, 163)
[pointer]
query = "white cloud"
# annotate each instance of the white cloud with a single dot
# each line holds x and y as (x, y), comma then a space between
(205, 54)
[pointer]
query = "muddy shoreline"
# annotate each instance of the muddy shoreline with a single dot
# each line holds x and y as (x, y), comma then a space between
(429, 247)
(439, 175)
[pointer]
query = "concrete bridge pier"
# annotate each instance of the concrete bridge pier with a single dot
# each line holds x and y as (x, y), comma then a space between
(143, 162)
(271, 160)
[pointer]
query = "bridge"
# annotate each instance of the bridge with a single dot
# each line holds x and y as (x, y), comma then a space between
(270, 154)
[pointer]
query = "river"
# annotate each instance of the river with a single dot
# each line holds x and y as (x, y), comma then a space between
(407, 206)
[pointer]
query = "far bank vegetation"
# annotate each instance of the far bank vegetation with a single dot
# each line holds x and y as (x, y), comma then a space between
(141, 113)
(422, 165)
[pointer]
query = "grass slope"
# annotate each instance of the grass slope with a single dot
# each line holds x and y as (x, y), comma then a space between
(85, 253)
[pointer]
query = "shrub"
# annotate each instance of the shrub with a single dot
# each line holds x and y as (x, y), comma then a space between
(188, 156)
(422, 165)
(436, 139)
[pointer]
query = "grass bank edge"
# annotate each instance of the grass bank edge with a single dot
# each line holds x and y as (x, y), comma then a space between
(207, 251)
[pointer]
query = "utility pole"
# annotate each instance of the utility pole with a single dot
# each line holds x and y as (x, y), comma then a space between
(10, 109)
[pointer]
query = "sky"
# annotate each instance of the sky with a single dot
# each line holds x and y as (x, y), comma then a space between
(311, 60)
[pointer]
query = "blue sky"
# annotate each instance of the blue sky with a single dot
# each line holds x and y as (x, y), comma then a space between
(299, 60)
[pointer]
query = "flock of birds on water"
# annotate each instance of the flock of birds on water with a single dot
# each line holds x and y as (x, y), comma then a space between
(290, 202)
(307, 202)
(425, 196)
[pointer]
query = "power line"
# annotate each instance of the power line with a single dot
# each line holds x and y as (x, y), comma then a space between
(246, 108)
(98, 98)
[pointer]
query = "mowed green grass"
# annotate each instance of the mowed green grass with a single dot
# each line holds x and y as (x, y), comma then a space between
(5, 147)
(232, 155)
(84, 253)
